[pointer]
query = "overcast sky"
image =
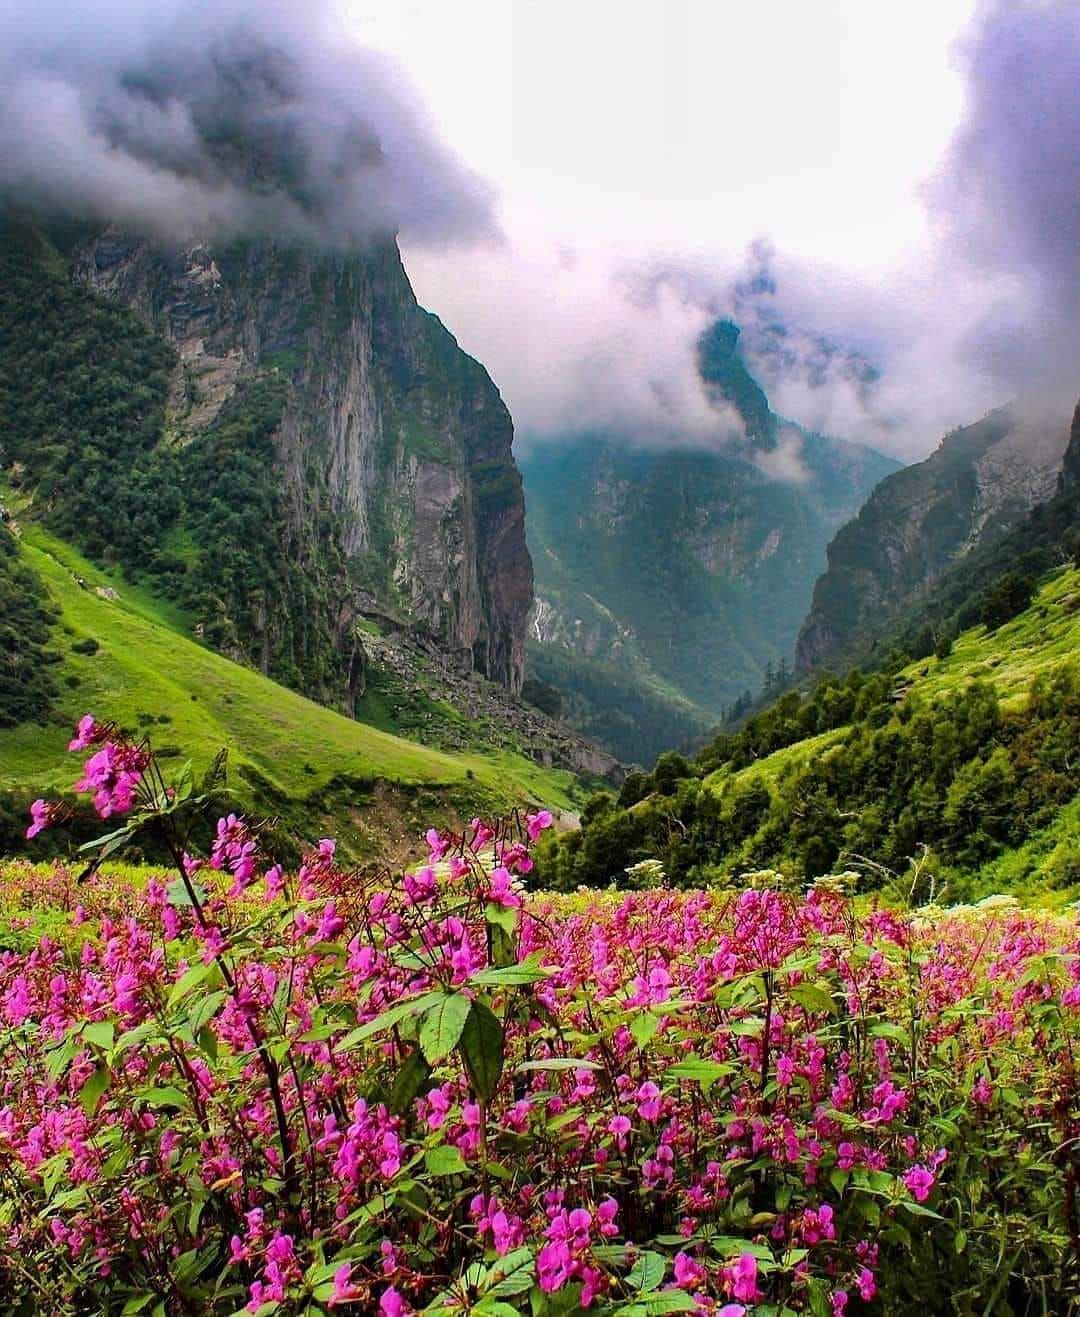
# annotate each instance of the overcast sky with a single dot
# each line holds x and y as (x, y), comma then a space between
(886, 198)
(622, 135)
(692, 123)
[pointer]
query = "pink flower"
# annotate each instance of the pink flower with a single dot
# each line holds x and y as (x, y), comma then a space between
(501, 889)
(743, 1277)
(391, 1304)
(41, 815)
(536, 823)
(437, 844)
(86, 734)
(648, 1100)
(919, 1181)
(344, 1290)
(113, 775)
(866, 1284)
(688, 1273)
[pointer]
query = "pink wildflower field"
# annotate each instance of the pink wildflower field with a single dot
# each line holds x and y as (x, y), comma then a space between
(234, 1086)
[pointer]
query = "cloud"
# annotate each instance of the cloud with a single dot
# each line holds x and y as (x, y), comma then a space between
(202, 118)
(572, 347)
(1007, 197)
(985, 307)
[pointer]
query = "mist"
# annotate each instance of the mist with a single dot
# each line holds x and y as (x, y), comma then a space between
(1007, 197)
(198, 119)
(983, 308)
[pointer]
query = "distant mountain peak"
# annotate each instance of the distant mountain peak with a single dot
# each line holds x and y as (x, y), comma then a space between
(728, 381)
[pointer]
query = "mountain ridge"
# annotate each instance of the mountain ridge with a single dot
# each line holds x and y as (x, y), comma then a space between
(981, 480)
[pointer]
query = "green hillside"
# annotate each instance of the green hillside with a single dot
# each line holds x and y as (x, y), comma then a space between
(968, 759)
(122, 655)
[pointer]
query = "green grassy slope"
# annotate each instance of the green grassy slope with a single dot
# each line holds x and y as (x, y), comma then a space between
(148, 676)
(972, 755)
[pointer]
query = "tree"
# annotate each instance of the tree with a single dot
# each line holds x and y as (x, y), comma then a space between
(1008, 597)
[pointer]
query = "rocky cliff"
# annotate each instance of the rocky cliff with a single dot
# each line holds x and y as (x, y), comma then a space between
(1070, 470)
(393, 480)
(920, 522)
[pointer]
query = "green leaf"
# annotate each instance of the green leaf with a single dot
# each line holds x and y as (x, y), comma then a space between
(133, 1037)
(527, 971)
(501, 916)
(559, 1063)
(189, 981)
(813, 997)
(408, 1082)
(560, 1303)
(204, 1010)
(444, 1160)
(388, 1019)
(110, 839)
(215, 774)
(442, 1025)
(731, 1245)
(100, 1033)
(57, 1059)
(137, 1303)
(668, 1301)
(69, 1198)
(166, 1096)
(705, 1073)
(512, 1274)
(91, 1091)
(481, 1048)
(643, 1027)
(184, 784)
(177, 893)
(647, 1272)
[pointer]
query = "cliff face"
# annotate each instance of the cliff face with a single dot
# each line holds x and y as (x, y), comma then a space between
(920, 522)
(391, 447)
(1070, 471)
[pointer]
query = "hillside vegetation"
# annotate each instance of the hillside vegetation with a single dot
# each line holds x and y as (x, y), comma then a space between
(970, 757)
(118, 650)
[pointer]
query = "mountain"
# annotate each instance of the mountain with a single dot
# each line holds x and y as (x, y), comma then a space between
(671, 579)
(966, 760)
(918, 524)
(226, 470)
(93, 641)
(279, 439)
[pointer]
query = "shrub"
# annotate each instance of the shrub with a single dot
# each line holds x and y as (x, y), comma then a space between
(1007, 598)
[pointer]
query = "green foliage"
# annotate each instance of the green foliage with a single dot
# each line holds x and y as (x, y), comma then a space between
(83, 384)
(1006, 599)
(632, 717)
(26, 683)
(82, 404)
(304, 765)
(543, 697)
(873, 765)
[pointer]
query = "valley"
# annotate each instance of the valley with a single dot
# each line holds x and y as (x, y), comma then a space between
(539, 660)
